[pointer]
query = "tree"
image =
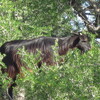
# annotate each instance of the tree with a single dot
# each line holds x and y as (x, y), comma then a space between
(89, 11)
(50, 17)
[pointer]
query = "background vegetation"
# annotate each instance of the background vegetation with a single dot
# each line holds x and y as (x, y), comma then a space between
(78, 78)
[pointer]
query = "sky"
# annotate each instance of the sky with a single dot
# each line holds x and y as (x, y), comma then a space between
(98, 39)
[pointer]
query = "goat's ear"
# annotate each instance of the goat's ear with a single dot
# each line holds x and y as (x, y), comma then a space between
(76, 41)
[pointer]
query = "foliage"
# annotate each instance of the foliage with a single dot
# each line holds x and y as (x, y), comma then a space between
(76, 78)
(47, 17)
(30, 18)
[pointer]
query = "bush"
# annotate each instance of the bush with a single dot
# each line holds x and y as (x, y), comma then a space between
(75, 79)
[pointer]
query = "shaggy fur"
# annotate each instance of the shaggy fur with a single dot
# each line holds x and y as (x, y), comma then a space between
(44, 44)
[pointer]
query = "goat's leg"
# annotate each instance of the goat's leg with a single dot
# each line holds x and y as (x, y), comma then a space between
(10, 89)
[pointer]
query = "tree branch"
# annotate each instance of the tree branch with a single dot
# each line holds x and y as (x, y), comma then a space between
(95, 6)
(95, 28)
